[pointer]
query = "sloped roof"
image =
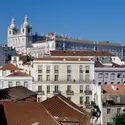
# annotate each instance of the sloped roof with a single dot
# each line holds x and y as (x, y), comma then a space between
(62, 59)
(114, 89)
(27, 63)
(16, 93)
(24, 113)
(64, 110)
(106, 43)
(74, 40)
(10, 66)
(80, 53)
(20, 74)
(98, 64)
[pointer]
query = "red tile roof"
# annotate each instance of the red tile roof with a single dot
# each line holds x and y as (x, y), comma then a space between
(25, 113)
(10, 66)
(16, 93)
(62, 59)
(87, 41)
(27, 63)
(64, 110)
(20, 55)
(99, 64)
(80, 53)
(114, 89)
(74, 40)
(20, 74)
(105, 43)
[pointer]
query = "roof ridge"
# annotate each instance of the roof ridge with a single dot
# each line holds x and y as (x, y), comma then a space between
(71, 106)
(50, 115)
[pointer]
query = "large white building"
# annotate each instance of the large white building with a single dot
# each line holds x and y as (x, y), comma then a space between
(36, 45)
(72, 77)
(20, 39)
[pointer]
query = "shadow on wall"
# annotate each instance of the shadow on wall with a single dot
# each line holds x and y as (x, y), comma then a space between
(2, 116)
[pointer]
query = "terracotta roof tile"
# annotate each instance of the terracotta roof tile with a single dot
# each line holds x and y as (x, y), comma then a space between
(27, 63)
(20, 74)
(87, 41)
(114, 89)
(16, 93)
(25, 113)
(64, 110)
(99, 64)
(62, 59)
(80, 53)
(10, 66)
(105, 43)
(74, 40)
(20, 55)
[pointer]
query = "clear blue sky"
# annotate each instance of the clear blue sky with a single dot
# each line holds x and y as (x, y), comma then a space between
(87, 19)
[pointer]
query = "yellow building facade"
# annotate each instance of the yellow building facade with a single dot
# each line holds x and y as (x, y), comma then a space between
(72, 77)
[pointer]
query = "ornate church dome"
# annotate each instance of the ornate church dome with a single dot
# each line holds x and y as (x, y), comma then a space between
(13, 26)
(26, 23)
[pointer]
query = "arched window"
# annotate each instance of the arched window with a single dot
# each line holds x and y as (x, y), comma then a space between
(106, 75)
(17, 83)
(112, 76)
(124, 75)
(100, 75)
(26, 84)
(119, 75)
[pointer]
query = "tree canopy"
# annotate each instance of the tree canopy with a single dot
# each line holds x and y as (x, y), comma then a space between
(119, 119)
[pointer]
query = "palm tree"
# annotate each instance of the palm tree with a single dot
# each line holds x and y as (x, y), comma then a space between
(119, 119)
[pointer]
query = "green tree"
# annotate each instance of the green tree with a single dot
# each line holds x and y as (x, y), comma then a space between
(119, 119)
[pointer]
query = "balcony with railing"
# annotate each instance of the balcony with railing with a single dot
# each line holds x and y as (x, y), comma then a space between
(56, 92)
(56, 71)
(68, 71)
(41, 93)
(39, 71)
(47, 71)
(69, 92)
(88, 92)
(88, 103)
(80, 71)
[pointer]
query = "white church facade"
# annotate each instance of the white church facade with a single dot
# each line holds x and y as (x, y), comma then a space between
(35, 45)
(20, 39)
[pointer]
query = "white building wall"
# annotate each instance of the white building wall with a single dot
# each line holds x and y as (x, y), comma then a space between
(5, 81)
(22, 39)
(116, 60)
(62, 83)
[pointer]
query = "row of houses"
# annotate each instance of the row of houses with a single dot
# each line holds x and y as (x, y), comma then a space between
(77, 75)
(70, 73)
